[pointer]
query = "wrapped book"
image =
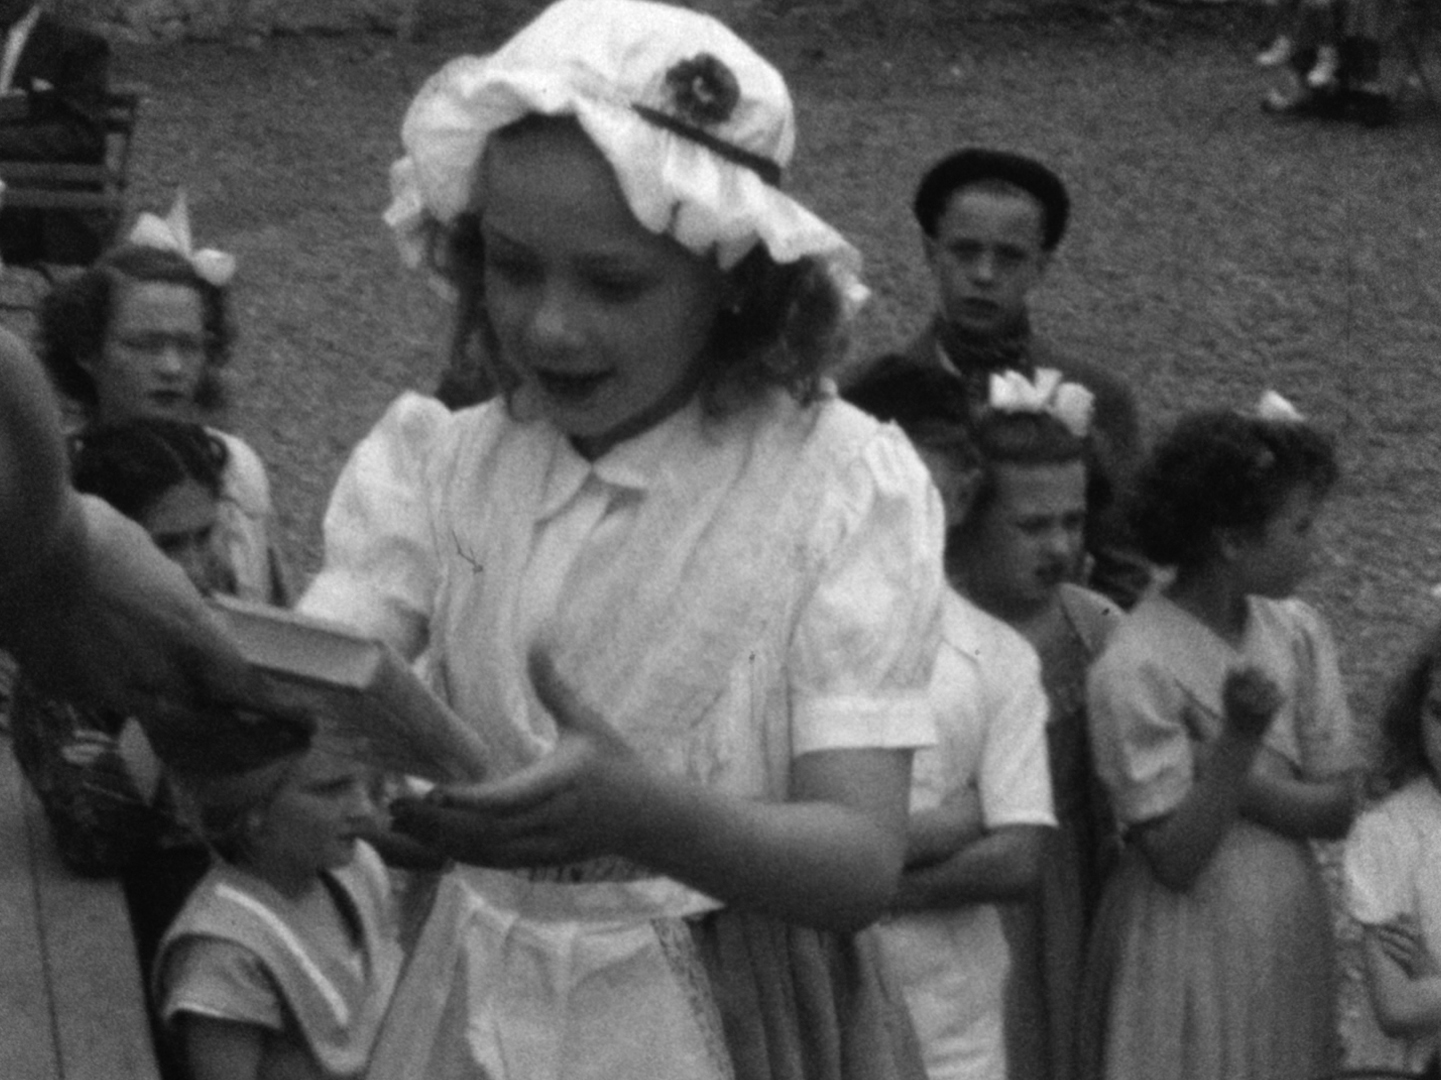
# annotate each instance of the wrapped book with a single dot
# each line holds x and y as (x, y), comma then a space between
(364, 698)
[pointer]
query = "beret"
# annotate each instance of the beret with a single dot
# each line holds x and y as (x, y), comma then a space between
(975, 165)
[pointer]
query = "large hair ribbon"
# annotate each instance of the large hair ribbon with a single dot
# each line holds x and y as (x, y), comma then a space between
(172, 233)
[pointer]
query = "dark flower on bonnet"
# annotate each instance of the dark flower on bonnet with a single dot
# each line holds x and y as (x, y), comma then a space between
(703, 89)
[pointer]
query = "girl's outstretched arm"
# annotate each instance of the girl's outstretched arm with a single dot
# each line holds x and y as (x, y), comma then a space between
(829, 858)
(1278, 799)
(1179, 845)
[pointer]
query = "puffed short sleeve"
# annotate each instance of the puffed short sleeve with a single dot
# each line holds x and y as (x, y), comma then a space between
(244, 520)
(1138, 735)
(381, 565)
(865, 642)
(1325, 730)
(1379, 868)
(219, 979)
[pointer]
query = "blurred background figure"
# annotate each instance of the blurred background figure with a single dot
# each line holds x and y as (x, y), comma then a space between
(53, 79)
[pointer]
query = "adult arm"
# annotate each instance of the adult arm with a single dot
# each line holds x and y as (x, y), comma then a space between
(37, 508)
(92, 610)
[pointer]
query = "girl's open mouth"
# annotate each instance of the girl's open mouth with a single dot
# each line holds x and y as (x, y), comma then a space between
(571, 388)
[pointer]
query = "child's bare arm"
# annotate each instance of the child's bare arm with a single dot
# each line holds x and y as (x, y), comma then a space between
(1002, 864)
(1279, 799)
(1179, 845)
(1403, 979)
(934, 835)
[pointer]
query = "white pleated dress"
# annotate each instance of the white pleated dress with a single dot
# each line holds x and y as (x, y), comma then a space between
(729, 594)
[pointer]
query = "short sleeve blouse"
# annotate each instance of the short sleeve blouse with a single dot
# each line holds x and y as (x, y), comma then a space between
(841, 657)
(244, 519)
(1155, 694)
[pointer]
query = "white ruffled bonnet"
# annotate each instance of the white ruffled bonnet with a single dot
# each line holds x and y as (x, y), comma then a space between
(688, 115)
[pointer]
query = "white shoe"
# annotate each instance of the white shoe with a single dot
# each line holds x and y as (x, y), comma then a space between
(1275, 54)
(1323, 73)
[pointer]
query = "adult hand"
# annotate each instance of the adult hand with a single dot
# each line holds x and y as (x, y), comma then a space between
(579, 802)
(105, 617)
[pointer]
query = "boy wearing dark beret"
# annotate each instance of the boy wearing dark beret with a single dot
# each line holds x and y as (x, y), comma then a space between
(990, 222)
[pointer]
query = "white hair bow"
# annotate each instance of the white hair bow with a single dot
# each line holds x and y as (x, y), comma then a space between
(172, 233)
(1070, 403)
(1272, 406)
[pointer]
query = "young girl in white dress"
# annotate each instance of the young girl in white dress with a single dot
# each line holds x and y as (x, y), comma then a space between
(1393, 866)
(1221, 730)
(690, 598)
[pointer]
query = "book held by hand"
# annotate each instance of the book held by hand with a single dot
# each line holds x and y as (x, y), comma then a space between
(366, 701)
(14, 106)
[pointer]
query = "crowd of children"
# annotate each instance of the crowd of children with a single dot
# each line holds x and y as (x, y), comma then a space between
(813, 756)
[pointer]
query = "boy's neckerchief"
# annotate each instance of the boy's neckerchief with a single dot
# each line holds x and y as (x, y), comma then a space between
(977, 356)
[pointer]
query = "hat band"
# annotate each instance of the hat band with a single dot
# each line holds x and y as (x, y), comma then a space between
(762, 166)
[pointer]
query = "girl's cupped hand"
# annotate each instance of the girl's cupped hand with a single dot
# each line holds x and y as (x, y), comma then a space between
(580, 801)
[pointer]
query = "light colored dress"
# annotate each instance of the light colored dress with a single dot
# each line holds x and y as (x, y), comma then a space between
(1233, 978)
(728, 593)
(990, 712)
(240, 951)
(1393, 868)
(244, 519)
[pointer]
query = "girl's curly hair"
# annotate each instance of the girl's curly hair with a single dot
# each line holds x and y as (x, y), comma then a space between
(132, 464)
(1221, 469)
(75, 318)
(1403, 718)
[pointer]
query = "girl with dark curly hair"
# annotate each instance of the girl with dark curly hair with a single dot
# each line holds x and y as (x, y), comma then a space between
(1221, 730)
(146, 331)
